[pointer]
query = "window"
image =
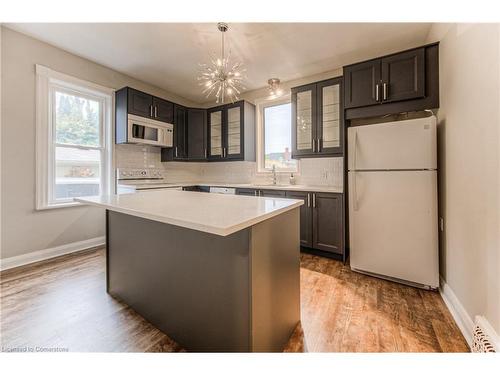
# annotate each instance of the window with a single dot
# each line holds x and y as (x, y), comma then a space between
(73, 139)
(275, 141)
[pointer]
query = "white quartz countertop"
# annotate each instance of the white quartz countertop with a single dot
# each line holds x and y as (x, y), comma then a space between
(220, 214)
(309, 188)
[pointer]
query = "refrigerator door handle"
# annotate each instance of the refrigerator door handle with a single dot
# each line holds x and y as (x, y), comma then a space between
(355, 150)
(354, 187)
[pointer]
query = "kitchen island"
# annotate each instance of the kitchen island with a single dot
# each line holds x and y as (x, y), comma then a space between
(214, 272)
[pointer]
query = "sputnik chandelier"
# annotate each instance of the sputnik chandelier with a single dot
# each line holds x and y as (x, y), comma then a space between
(221, 76)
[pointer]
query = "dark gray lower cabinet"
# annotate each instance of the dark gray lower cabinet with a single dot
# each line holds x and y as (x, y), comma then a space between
(273, 193)
(249, 192)
(321, 217)
(327, 222)
(305, 216)
(321, 221)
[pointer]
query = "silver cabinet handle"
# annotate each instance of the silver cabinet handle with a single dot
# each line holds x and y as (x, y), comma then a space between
(376, 92)
(175, 151)
(205, 153)
(156, 111)
(255, 192)
(314, 200)
(308, 200)
(314, 145)
(151, 111)
(319, 145)
(385, 90)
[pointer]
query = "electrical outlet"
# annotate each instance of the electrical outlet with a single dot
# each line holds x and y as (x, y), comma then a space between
(441, 224)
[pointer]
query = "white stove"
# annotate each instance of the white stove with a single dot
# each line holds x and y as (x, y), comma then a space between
(131, 180)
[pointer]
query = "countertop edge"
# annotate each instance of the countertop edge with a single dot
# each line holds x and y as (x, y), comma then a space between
(190, 225)
(305, 188)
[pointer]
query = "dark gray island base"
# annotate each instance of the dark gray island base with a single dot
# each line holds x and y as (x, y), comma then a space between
(209, 293)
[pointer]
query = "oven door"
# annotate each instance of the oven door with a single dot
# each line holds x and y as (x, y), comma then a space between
(151, 132)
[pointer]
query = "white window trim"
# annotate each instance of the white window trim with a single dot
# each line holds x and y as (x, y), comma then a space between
(260, 106)
(46, 81)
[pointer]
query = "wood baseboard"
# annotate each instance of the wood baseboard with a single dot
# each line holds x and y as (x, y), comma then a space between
(37, 256)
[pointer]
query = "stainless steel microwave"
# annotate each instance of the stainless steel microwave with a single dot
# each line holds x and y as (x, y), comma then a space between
(150, 132)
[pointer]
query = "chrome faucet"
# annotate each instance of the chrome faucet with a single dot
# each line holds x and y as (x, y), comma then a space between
(274, 174)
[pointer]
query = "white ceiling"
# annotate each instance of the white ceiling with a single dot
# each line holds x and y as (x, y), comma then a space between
(167, 54)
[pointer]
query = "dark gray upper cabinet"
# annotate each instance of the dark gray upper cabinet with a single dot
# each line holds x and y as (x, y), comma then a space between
(330, 117)
(305, 216)
(400, 82)
(145, 105)
(139, 103)
(215, 128)
(197, 134)
(304, 107)
(317, 119)
(403, 76)
(362, 84)
(180, 132)
(328, 222)
(231, 132)
(163, 110)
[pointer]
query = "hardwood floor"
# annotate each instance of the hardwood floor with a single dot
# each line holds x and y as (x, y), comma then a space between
(62, 303)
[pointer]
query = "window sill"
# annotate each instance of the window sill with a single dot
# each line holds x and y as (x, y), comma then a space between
(53, 206)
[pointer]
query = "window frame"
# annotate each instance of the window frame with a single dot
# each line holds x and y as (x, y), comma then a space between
(261, 149)
(48, 82)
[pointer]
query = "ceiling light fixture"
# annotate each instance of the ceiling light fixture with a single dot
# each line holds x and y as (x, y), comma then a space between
(274, 87)
(221, 76)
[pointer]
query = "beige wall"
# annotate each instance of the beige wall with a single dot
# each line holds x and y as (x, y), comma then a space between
(469, 166)
(24, 229)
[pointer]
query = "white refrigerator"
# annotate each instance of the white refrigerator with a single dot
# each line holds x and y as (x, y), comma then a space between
(393, 223)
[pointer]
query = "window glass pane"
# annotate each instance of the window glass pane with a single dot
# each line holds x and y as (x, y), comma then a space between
(77, 120)
(77, 172)
(278, 137)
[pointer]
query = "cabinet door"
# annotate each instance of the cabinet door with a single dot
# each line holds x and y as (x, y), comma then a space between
(163, 110)
(330, 128)
(304, 120)
(249, 192)
(140, 103)
(305, 216)
(327, 222)
(403, 76)
(362, 84)
(180, 133)
(273, 193)
(233, 131)
(197, 134)
(215, 133)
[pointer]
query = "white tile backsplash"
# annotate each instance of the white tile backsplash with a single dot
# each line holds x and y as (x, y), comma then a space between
(313, 171)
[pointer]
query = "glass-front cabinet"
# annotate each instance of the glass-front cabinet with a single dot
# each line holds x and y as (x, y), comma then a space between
(225, 132)
(234, 130)
(317, 119)
(303, 120)
(215, 133)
